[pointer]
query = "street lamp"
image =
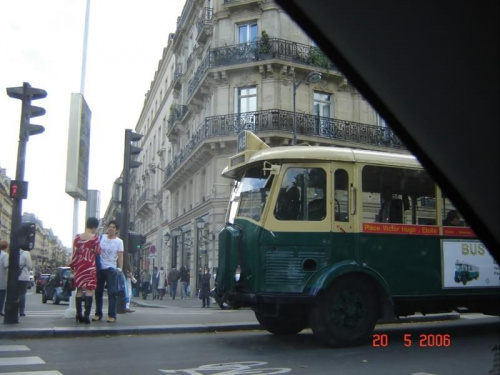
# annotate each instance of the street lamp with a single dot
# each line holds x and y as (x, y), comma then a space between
(152, 168)
(312, 77)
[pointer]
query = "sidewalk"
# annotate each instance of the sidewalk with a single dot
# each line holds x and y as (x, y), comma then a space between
(153, 317)
(150, 317)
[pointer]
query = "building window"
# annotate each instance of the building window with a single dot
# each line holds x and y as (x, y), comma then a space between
(322, 108)
(247, 33)
(247, 99)
(322, 104)
(246, 105)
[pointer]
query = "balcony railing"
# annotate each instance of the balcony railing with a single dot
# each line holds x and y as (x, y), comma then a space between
(259, 50)
(178, 72)
(202, 68)
(182, 18)
(146, 197)
(235, 1)
(324, 128)
(177, 113)
(205, 19)
(190, 60)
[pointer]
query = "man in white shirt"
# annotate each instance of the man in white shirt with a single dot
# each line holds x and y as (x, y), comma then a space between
(111, 263)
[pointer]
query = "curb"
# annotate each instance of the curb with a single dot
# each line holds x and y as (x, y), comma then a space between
(65, 332)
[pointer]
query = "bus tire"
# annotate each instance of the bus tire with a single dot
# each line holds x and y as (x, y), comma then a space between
(345, 313)
(289, 321)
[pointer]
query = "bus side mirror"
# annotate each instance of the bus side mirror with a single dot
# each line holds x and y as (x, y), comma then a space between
(353, 199)
(271, 168)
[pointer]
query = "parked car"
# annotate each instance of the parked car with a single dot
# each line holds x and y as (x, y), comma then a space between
(41, 280)
(32, 281)
(59, 285)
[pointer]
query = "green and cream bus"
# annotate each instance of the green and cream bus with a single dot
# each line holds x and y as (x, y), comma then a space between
(336, 239)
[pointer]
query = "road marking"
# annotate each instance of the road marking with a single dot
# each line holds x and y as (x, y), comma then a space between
(14, 348)
(422, 373)
(33, 373)
(21, 361)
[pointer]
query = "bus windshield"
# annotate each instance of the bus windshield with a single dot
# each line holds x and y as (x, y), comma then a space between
(253, 192)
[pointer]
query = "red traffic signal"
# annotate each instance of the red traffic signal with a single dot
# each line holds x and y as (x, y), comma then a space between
(18, 189)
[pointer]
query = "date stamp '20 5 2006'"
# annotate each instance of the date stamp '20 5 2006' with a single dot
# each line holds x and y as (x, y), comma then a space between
(424, 340)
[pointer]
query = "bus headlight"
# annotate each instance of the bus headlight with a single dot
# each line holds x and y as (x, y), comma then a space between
(237, 274)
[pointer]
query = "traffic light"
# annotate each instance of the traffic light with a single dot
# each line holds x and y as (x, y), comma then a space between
(26, 93)
(18, 189)
(130, 150)
(116, 193)
(135, 242)
(26, 236)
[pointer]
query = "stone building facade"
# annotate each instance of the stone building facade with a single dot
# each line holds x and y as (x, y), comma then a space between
(231, 65)
(49, 251)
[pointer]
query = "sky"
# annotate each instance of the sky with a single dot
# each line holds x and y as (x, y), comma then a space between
(41, 42)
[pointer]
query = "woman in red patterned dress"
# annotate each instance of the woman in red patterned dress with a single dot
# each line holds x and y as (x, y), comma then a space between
(85, 248)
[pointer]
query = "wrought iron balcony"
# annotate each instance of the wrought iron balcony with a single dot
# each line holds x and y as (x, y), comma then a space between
(276, 120)
(182, 18)
(228, 2)
(270, 48)
(189, 60)
(202, 68)
(260, 50)
(178, 73)
(203, 22)
(177, 113)
(147, 197)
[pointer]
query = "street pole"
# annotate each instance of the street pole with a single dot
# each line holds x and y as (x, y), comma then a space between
(25, 93)
(294, 113)
(129, 152)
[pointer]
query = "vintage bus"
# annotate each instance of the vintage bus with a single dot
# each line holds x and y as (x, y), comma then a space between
(465, 272)
(338, 238)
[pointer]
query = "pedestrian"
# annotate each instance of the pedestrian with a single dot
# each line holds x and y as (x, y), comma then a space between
(162, 282)
(4, 269)
(111, 257)
(129, 280)
(205, 288)
(83, 263)
(145, 283)
(173, 276)
(184, 281)
(24, 281)
(154, 286)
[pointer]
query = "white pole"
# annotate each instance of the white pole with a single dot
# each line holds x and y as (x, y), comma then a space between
(71, 310)
(84, 54)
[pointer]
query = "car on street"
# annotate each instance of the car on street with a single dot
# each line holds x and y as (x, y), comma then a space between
(32, 281)
(41, 280)
(59, 285)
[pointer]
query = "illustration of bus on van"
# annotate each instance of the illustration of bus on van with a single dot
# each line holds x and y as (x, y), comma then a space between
(465, 272)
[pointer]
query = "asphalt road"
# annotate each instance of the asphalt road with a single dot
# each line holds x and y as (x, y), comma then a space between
(468, 351)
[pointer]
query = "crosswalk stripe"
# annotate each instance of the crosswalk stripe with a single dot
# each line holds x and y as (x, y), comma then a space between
(33, 373)
(13, 348)
(15, 361)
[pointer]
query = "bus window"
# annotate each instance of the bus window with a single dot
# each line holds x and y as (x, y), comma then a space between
(341, 195)
(302, 195)
(254, 191)
(451, 216)
(396, 195)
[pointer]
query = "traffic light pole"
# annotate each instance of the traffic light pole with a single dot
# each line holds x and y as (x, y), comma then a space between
(24, 93)
(128, 163)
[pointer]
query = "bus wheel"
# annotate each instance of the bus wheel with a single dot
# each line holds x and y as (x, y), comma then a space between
(346, 313)
(289, 321)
